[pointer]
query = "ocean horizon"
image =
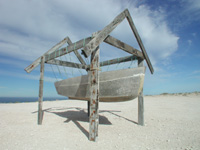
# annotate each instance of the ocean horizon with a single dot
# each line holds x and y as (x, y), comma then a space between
(28, 99)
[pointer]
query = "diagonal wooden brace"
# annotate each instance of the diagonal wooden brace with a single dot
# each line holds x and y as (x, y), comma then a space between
(100, 36)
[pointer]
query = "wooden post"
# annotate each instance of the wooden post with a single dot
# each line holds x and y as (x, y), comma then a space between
(40, 112)
(94, 96)
(140, 100)
(88, 107)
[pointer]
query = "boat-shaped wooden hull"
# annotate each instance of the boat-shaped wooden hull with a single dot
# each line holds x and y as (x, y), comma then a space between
(114, 86)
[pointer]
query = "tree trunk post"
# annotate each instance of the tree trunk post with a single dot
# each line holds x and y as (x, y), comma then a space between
(141, 100)
(94, 96)
(40, 100)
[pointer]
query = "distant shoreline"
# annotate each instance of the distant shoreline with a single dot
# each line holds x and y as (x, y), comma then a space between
(28, 99)
(35, 99)
(176, 94)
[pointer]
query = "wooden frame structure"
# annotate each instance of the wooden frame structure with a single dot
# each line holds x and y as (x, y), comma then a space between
(90, 46)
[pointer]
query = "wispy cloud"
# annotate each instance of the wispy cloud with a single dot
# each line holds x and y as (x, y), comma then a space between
(192, 7)
(11, 62)
(28, 76)
(196, 72)
(2, 87)
(26, 33)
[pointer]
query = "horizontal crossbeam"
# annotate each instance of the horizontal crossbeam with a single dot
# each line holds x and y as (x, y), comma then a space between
(121, 45)
(86, 67)
(66, 64)
(117, 60)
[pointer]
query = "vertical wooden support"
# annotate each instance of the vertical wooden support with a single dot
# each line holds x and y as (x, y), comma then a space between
(40, 100)
(141, 100)
(94, 96)
(88, 107)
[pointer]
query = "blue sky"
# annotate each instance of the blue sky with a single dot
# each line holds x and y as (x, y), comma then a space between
(170, 31)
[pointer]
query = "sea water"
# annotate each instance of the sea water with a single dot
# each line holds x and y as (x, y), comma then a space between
(28, 99)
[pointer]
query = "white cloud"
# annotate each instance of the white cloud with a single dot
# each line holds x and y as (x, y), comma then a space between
(193, 5)
(29, 28)
(159, 41)
(189, 42)
(190, 10)
(13, 63)
(195, 72)
(2, 87)
(27, 76)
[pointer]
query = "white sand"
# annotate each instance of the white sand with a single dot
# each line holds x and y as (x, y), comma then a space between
(171, 122)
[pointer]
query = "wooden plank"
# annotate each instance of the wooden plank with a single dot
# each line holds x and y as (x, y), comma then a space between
(76, 53)
(100, 37)
(141, 100)
(88, 108)
(70, 48)
(121, 45)
(40, 100)
(94, 96)
(67, 64)
(117, 60)
(135, 32)
(37, 61)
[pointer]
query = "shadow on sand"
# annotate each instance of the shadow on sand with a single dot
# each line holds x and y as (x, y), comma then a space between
(77, 115)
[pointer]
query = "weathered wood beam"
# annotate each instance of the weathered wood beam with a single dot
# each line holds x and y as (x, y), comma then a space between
(94, 96)
(141, 100)
(40, 100)
(135, 32)
(117, 60)
(37, 61)
(88, 108)
(100, 37)
(121, 45)
(67, 64)
(76, 53)
(73, 47)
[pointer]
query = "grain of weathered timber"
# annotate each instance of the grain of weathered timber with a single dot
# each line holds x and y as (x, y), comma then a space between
(141, 109)
(121, 45)
(40, 100)
(73, 47)
(141, 100)
(88, 108)
(135, 32)
(94, 96)
(117, 60)
(37, 61)
(100, 37)
(76, 53)
(67, 64)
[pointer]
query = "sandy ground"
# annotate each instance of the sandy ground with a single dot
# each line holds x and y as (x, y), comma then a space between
(171, 122)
